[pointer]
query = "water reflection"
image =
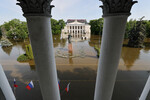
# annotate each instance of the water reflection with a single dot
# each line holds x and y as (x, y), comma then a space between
(19, 46)
(129, 56)
(7, 50)
(58, 41)
(147, 47)
(95, 40)
(63, 43)
(70, 51)
(83, 73)
(78, 67)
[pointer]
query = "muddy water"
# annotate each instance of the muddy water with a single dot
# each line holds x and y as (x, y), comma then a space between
(77, 63)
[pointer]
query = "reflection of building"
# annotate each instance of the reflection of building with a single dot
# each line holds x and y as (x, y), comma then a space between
(78, 28)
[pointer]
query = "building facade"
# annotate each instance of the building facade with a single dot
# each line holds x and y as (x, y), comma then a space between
(77, 28)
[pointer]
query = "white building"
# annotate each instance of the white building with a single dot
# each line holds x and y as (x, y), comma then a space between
(77, 28)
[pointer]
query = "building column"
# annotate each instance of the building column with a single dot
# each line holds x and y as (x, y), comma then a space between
(115, 15)
(5, 87)
(38, 14)
(146, 90)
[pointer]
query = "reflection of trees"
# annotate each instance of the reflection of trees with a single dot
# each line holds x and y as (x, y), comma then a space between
(146, 50)
(94, 40)
(63, 43)
(56, 40)
(147, 47)
(130, 55)
(7, 50)
(32, 65)
(21, 44)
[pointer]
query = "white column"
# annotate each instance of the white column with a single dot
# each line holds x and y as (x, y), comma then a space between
(109, 56)
(4, 85)
(146, 90)
(113, 33)
(42, 43)
(39, 27)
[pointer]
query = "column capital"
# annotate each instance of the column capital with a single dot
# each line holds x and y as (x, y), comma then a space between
(117, 7)
(36, 7)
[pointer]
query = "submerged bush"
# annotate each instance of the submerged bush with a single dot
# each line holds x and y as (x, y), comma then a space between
(97, 49)
(22, 58)
(29, 52)
(27, 56)
(5, 42)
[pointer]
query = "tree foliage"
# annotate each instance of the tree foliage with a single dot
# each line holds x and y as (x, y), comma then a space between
(29, 52)
(61, 23)
(130, 24)
(15, 29)
(57, 26)
(96, 26)
(147, 25)
(0, 32)
(137, 35)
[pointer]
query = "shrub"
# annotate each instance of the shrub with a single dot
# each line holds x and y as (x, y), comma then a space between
(23, 58)
(29, 52)
(28, 56)
(97, 49)
(5, 42)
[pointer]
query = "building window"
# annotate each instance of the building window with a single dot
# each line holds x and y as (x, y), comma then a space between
(73, 27)
(78, 27)
(70, 27)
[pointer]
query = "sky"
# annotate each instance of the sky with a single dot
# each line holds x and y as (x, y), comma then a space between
(72, 9)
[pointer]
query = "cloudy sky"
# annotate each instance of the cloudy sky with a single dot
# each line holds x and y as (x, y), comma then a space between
(71, 9)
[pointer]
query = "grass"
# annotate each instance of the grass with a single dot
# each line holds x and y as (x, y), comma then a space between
(97, 49)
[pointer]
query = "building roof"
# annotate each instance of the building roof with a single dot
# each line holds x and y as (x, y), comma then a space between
(78, 20)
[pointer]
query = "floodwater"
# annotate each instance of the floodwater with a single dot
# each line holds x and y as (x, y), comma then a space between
(77, 64)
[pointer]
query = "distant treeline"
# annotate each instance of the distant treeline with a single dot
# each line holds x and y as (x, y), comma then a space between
(97, 26)
(16, 29)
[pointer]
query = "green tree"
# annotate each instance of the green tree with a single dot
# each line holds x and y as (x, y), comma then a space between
(61, 23)
(0, 32)
(57, 26)
(147, 29)
(16, 29)
(96, 26)
(137, 35)
(130, 24)
(29, 52)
